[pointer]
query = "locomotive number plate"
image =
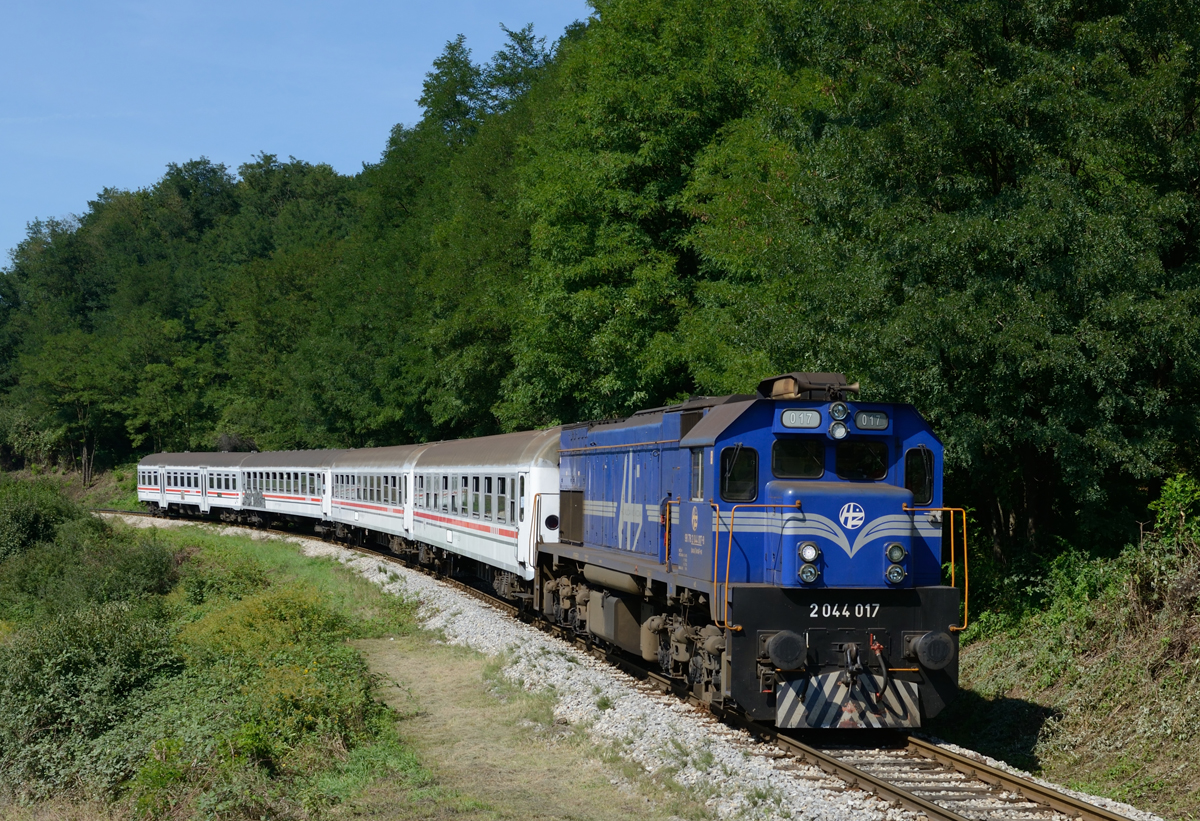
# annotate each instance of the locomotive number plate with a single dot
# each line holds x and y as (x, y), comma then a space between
(843, 611)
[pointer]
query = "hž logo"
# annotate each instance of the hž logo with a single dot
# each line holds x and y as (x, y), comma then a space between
(852, 516)
(695, 518)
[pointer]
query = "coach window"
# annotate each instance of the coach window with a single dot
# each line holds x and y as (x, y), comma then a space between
(475, 496)
(858, 461)
(798, 458)
(487, 497)
(211, 479)
(739, 474)
(918, 474)
(501, 498)
(697, 475)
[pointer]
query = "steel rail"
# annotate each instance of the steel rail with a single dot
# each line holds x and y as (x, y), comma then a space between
(850, 774)
(1031, 790)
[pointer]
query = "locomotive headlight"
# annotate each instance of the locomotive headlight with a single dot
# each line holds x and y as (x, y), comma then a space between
(895, 574)
(896, 553)
(809, 552)
(839, 411)
(809, 573)
(838, 430)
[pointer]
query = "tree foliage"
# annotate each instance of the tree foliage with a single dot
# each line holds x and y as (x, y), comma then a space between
(987, 209)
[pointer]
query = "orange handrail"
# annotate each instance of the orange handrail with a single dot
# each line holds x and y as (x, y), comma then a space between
(966, 565)
(667, 532)
(728, 557)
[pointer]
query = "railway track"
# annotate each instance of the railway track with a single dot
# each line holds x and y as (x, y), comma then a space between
(922, 777)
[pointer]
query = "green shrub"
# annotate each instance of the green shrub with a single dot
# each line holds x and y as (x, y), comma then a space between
(31, 512)
(260, 627)
(88, 563)
(67, 682)
(204, 579)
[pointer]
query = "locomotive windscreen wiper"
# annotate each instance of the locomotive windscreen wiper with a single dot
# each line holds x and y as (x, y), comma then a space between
(732, 462)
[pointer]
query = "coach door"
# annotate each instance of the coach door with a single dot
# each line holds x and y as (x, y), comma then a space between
(204, 490)
(162, 487)
(326, 493)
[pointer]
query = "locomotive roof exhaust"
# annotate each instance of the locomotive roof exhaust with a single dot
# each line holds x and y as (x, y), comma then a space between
(812, 386)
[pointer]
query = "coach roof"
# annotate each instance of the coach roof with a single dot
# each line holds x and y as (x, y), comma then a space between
(289, 459)
(535, 448)
(193, 460)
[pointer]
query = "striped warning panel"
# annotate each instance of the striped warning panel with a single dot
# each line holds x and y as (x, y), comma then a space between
(823, 701)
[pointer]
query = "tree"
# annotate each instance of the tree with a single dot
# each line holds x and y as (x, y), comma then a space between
(452, 94)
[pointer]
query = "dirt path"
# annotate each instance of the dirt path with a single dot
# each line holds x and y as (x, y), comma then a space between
(496, 747)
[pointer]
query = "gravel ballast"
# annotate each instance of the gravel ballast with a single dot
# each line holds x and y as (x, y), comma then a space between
(738, 776)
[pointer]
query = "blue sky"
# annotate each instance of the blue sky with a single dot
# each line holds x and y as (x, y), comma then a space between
(96, 95)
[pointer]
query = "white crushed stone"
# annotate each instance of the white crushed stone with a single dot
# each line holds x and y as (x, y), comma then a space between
(1096, 800)
(741, 777)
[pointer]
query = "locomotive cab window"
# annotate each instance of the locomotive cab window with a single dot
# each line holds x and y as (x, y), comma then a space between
(697, 494)
(739, 474)
(798, 458)
(918, 474)
(859, 461)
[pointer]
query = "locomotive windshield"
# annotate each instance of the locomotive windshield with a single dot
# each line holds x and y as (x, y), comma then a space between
(862, 460)
(739, 474)
(798, 458)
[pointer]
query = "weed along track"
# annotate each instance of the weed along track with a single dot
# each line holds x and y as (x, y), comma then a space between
(914, 775)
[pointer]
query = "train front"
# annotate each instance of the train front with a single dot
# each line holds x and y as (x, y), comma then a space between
(830, 552)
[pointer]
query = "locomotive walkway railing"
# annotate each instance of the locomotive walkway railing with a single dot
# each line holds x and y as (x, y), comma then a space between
(966, 566)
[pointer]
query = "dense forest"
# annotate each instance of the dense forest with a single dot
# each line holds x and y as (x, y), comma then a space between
(988, 209)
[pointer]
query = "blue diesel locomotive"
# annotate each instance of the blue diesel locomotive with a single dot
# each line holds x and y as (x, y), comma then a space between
(780, 552)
